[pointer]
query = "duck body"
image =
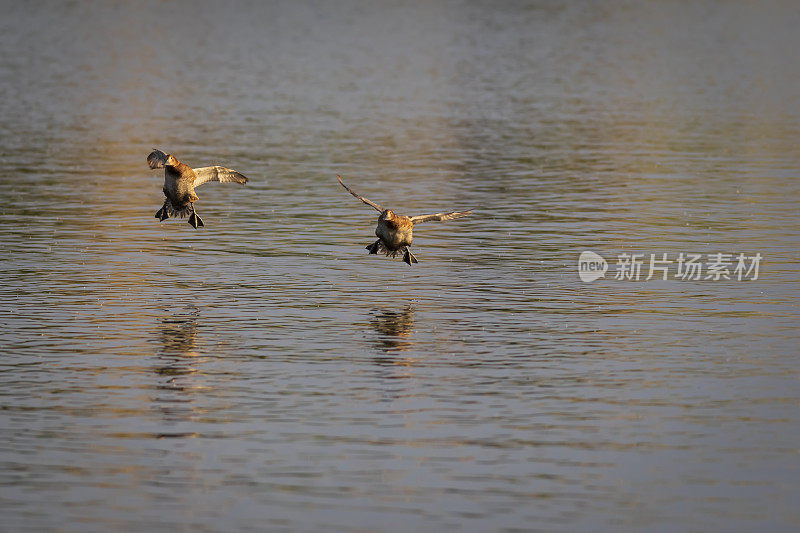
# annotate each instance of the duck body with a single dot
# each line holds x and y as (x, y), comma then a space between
(178, 188)
(394, 231)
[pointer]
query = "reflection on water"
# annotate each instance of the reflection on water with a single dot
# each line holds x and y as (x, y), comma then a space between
(394, 329)
(316, 397)
(178, 334)
(178, 360)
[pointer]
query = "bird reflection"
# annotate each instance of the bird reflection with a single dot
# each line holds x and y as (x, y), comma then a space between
(394, 329)
(177, 358)
(396, 368)
(178, 335)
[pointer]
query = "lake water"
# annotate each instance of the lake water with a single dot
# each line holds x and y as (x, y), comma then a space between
(265, 372)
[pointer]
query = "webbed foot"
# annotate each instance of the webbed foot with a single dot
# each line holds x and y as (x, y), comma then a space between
(409, 258)
(162, 214)
(373, 248)
(195, 221)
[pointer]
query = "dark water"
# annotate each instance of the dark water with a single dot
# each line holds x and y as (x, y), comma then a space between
(266, 373)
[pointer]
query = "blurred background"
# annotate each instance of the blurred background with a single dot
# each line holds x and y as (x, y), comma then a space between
(265, 372)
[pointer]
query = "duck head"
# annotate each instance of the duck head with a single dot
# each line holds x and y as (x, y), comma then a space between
(171, 161)
(387, 214)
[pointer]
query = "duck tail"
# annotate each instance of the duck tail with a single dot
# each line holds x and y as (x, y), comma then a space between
(174, 213)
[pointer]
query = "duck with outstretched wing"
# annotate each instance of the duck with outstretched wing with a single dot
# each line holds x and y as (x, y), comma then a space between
(180, 181)
(394, 231)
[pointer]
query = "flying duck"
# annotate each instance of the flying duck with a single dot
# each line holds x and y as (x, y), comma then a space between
(394, 231)
(180, 181)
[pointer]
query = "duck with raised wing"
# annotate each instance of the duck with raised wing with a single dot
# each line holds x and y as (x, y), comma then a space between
(394, 231)
(180, 181)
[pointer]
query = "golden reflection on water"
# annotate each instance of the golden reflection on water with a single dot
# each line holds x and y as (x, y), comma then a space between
(178, 335)
(397, 361)
(178, 358)
(394, 329)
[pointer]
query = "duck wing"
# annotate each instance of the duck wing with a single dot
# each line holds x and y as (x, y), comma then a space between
(221, 174)
(157, 159)
(440, 217)
(366, 201)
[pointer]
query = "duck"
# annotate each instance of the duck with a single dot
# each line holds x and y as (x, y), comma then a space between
(180, 180)
(395, 232)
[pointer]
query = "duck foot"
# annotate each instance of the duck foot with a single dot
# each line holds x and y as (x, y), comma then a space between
(373, 248)
(409, 258)
(162, 214)
(195, 221)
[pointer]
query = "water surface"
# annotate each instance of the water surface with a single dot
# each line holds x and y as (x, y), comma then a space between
(266, 373)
